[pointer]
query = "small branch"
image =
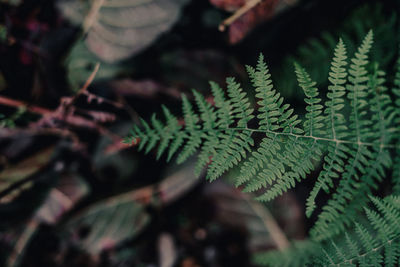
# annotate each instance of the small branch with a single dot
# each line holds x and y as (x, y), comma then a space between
(67, 102)
(245, 8)
(17, 103)
(89, 95)
(91, 17)
(90, 79)
(65, 113)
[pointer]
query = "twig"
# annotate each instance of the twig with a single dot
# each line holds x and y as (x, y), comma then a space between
(17, 103)
(65, 111)
(68, 101)
(245, 8)
(92, 15)
(89, 95)
(90, 79)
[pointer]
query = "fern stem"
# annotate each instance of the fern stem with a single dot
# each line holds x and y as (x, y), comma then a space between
(334, 140)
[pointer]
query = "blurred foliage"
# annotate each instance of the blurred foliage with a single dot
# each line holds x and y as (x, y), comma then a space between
(3, 33)
(10, 121)
(17, 173)
(116, 30)
(352, 30)
(80, 63)
(108, 222)
(119, 29)
(65, 177)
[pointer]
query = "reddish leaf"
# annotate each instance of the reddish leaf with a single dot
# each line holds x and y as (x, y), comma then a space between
(228, 5)
(243, 24)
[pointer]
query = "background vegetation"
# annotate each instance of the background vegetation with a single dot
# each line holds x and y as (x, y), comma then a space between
(75, 76)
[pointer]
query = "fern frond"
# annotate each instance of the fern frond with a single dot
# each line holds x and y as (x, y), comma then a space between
(302, 165)
(313, 124)
(207, 114)
(380, 158)
(168, 132)
(241, 109)
(355, 159)
(273, 114)
(391, 213)
(223, 106)
(231, 150)
(233, 146)
(335, 123)
(328, 224)
(208, 151)
(337, 77)
(368, 171)
(334, 164)
(298, 255)
(193, 129)
(358, 79)
(383, 112)
(264, 154)
(151, 135)
(369, 244)
(372, 247)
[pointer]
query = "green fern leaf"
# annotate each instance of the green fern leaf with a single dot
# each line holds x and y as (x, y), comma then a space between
(357, 89)
(336, 122)
(336, 91)
(193, 129)
(355, 156)
(313, 124)
(223, 106)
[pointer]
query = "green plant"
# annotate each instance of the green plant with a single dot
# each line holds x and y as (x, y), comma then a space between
(373, 243)
(352, 30)
(355, 132)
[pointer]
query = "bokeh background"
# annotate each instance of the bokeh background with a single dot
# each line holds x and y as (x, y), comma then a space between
(75, 75)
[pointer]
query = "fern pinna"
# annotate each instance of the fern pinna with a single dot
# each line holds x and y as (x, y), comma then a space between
(375, 242)
(355, 131)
